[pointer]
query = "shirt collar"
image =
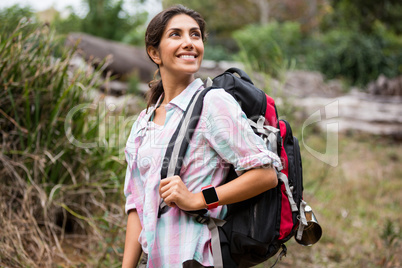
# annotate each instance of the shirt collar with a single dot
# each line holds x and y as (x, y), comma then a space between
(183, 99)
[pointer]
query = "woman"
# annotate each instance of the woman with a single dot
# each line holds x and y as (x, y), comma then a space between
(174, 42)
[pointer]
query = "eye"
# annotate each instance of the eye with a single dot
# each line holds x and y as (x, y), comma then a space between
(196, 34)
(174, 34)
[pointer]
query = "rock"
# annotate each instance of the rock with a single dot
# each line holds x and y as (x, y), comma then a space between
(356, 111)
(305, 83)
(386, 86)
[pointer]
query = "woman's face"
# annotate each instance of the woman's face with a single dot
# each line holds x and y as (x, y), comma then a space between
(181, 48)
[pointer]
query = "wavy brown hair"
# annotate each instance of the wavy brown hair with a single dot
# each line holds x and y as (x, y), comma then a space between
(153, 36)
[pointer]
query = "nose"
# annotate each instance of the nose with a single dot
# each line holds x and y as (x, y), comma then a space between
(187, 42)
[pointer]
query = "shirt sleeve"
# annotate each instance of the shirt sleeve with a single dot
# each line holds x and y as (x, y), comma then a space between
(228, 132)
(131, 151)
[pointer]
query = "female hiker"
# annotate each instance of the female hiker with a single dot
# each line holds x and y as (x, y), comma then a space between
(175, 43)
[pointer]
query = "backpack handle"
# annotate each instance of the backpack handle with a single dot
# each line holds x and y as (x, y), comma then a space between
(241, 73)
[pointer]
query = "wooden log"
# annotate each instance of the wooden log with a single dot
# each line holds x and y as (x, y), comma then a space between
(126, 59)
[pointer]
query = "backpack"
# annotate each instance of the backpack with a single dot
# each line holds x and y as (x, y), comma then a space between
(255, 229)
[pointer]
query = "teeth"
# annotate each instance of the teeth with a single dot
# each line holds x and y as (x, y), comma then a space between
(187, 57)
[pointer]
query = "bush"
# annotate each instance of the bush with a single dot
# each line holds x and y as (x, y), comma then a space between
(49, 187)
(357, 57)
(217, 53)
(340, 53)
(269, 46)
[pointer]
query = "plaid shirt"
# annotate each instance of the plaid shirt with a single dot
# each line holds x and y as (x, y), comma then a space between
(222, 137)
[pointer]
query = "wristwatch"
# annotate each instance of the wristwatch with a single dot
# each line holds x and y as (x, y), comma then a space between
(210, 196)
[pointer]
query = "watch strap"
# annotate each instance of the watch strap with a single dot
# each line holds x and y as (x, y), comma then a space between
(210, 201)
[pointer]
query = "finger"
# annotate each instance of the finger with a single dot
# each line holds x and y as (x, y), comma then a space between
(170, 183)
(163, 183)
(165, 194)
(168, 199)
(163, 186)
(166, 190)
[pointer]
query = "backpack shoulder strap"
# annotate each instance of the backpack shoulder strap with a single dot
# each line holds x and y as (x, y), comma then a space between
(173, 160)
(178, 144)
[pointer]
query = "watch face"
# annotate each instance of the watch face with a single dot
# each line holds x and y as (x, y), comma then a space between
(210, 195)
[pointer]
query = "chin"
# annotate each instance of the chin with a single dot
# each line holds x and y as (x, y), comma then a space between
(191, 71)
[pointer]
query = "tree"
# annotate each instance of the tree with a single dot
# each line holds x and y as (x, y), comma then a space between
(107, 19)
(362, 15)
(263, 6)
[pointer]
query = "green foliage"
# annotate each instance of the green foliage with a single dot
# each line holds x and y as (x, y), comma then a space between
(11, 16)
(269, 46)
(362, 15)
(73, 23)
(44, 171)
(39, 91)
(217, 53)
(134, 84)
(135, 36)
(359, 58)
(107, 19)
(391, 233)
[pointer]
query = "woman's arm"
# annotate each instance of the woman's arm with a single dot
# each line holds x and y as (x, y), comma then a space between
(251, 183)
(132, 248)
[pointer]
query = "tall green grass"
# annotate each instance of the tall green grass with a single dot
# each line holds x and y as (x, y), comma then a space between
(55, 195)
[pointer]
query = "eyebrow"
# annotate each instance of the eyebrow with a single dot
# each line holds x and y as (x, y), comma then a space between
(179, 29)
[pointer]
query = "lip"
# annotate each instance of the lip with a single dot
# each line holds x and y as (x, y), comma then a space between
(195, 55)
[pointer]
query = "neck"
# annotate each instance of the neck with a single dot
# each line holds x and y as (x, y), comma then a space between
(173, 86)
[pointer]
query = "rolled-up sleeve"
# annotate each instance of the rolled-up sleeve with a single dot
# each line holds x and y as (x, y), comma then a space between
(230, 135)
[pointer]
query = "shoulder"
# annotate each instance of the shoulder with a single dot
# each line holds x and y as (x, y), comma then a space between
(218, 95)
(218, 102)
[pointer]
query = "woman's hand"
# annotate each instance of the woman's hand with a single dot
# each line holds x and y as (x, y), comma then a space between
(175, 193)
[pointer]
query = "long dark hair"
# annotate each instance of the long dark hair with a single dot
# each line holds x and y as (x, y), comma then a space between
(153, 36)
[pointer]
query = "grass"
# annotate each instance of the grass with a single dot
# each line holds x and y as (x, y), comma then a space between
(52, 191)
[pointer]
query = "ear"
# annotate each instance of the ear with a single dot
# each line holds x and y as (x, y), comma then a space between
(154, 54)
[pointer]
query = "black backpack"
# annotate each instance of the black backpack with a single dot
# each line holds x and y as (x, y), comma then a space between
(255, 229)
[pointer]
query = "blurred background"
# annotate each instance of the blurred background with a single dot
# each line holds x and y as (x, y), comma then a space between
(73, 78)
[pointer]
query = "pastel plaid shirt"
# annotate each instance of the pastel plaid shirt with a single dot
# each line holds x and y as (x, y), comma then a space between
(222, 137)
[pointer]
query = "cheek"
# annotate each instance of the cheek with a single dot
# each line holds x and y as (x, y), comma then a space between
(200, 48)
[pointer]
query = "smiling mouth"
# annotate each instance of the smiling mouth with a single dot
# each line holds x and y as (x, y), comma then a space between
(187, 56)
